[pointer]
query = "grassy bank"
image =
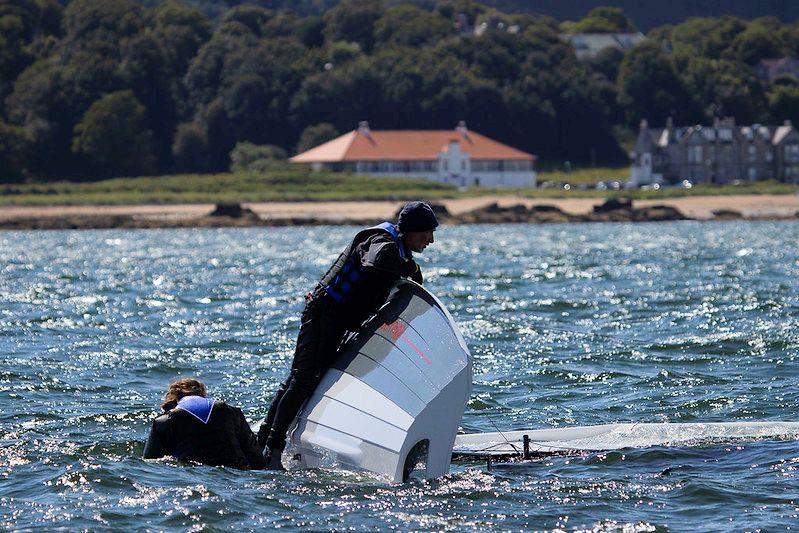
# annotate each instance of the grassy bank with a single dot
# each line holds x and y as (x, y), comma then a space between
(760, 187)
(303, 185)
(589, 176)
(284, 185)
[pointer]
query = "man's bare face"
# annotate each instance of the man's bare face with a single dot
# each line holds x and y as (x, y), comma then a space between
(417, 241)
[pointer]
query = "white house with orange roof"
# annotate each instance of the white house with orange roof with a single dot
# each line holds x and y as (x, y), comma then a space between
(458, 157)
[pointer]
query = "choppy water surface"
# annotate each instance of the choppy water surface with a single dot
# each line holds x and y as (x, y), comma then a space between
(569, 325)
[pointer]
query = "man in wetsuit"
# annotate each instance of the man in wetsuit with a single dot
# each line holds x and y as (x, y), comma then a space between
(351, 291)
(196, 428)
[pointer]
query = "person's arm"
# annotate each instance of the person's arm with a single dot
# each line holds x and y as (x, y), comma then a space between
(249, 443)
(411, 270)
(154, 448)
(383, 257)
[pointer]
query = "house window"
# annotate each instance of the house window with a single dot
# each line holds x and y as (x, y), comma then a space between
(752, 153)
(752, 173)
(728, 153)
(769, 156)
(517, 166)
(694, 154)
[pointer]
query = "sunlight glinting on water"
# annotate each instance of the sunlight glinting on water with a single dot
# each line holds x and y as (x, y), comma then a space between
(568, 325)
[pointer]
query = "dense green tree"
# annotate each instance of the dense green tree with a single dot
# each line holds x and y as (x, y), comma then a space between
(87, 21)
(264, 75)
(353, 20)
(315, 135)
(311, 32)
(114, 138)
(12, 152)
(783, 102)
(190, 148)
(449, 9)
(603, 19)
(723, 88)
(27, 29)
(180, 30)
(705, 37)
(755, 43)
(649, 87)
(219, 135)
(249, 157)
(607, 63)
(408, 25)
(342, 96)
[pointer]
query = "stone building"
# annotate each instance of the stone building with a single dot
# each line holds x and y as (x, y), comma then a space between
(721, 153)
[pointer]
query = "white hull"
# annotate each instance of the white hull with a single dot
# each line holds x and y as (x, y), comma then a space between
(394, 397)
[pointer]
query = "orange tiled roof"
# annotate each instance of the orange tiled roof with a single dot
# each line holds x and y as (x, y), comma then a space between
(406, 145)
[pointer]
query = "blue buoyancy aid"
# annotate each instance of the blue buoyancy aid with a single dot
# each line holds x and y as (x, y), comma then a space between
(345, 272)
(198, 406)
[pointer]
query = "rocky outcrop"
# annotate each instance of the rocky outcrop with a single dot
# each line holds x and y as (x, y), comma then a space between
(622, 210)
(614, 204)
(495, 214)
(727, 214)
(232, 210)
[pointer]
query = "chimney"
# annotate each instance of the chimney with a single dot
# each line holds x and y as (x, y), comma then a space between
(363, 127)
(787, 123)
(644, 125)
(462, 129)
(669, 123)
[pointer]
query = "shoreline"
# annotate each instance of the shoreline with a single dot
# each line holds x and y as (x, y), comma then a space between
(482, 209)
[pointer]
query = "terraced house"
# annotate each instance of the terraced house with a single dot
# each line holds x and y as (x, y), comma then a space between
(721, 153)
(459, 157)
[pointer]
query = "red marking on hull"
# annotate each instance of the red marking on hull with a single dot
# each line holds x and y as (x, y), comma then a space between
(395, 330)
(417, 350)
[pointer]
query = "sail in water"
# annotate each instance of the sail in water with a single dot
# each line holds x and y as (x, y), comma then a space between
(535, 442)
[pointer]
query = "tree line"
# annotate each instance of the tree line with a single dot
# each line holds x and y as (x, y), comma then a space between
(103, 88)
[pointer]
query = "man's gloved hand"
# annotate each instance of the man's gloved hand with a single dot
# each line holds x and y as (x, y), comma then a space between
(411, 270)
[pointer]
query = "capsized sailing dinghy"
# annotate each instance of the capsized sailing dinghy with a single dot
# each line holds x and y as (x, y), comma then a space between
(396, 395)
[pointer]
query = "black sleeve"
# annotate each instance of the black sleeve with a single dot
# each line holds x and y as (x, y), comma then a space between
(249, 442)
(154, 448)
(383, 256)
(380, 256)
(411, 270)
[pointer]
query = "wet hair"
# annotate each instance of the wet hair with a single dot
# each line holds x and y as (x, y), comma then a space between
(180, 388)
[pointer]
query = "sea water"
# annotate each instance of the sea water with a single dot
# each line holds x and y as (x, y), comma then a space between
(568, 324)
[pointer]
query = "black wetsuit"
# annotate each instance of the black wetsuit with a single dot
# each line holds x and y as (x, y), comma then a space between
(217, 435)
(379, 259)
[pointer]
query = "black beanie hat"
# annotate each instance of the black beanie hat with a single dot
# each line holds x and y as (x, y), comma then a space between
(416, 216)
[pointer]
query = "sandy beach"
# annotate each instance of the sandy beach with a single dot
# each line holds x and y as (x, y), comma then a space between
(697, 207)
